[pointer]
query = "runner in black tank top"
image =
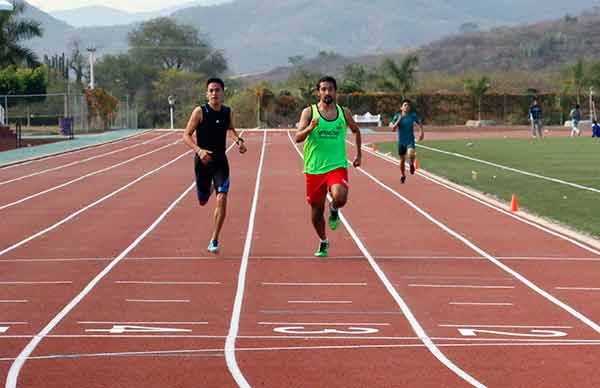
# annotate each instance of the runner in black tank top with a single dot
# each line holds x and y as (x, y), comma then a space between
(211, 123)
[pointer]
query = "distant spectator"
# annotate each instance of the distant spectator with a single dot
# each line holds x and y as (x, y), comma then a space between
(575, 116)
(535, 116)
(595, 128)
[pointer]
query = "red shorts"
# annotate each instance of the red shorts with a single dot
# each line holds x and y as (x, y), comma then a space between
(317, 185)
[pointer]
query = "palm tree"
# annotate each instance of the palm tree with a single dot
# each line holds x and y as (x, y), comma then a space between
(477, 88)
(12, 32)
(400, 77)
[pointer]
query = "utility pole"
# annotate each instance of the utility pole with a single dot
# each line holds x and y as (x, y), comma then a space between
(92, 51)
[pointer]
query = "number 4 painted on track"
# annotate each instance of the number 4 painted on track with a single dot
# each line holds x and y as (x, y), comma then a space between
(467, 332)
(120, 329)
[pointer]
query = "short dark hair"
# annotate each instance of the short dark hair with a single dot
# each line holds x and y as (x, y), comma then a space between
(216, 80)
(407, 101)
(327, 78)
(576, 106)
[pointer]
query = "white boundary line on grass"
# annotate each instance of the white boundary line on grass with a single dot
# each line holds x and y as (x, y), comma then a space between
(234, 325)
(15, 368)
(82, 160)
(555, 180)
(414, 323)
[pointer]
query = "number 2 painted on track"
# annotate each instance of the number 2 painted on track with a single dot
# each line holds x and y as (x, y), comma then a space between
(467, 332)
(302, 330)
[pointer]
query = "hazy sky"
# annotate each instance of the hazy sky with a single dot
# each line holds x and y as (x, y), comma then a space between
(125, 5)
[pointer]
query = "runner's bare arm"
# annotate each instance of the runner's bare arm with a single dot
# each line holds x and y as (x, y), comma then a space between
(422, 134)
(238, 140)
(305, 125)
(358, 139)
(193, 122)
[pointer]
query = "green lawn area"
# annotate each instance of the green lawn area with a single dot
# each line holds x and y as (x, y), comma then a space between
(573, 160)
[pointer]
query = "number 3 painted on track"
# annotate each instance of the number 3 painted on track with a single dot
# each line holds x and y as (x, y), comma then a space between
(302, 330)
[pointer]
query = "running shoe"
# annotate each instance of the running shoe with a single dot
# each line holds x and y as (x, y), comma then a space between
(322, 251)
(213, 247)
(402, 179)
(334, 218)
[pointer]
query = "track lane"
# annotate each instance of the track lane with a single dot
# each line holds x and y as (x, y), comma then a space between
(208, 303)
(290, 302)
(415, 278)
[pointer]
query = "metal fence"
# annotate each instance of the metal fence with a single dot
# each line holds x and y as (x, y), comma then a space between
(43, 114)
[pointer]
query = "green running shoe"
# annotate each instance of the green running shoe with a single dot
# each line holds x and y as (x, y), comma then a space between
(322, 251)
(334, 219)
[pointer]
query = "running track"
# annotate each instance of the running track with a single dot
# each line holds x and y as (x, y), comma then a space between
(105, 282)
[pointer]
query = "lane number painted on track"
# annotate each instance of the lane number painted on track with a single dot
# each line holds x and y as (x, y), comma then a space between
(4, 329)
(121, 329)
(468, 332)
(303, 330)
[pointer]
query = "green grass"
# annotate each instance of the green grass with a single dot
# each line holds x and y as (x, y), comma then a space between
(572, 160)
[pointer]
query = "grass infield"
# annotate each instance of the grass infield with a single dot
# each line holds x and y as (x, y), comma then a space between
(573, 160)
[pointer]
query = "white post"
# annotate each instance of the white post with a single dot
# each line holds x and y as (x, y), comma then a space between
(171, 105)
(172, 117)
(92, 50)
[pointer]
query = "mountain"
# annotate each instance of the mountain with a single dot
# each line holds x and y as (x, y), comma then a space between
(523, 49)
(257, 35)
(106, 16)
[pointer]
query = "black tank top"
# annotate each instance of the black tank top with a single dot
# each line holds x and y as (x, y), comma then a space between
(211, 134)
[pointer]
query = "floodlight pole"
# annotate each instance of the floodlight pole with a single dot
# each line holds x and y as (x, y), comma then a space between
(92, 51)
(171, 106)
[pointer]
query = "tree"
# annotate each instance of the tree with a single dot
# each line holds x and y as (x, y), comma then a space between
(23, 81)
(77, 62)
(468, 27)
(123, 76)
(575, 80)
(14, 30)
(101, 104)
(354, 78)
(400, 77)
(166, 45)
(477, 88)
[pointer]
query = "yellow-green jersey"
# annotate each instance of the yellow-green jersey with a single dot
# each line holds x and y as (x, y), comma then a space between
(325, 147)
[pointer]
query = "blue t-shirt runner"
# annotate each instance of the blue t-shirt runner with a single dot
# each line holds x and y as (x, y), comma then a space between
(406, 129)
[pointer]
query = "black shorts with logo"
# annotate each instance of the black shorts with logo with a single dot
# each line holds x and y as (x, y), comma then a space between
(214, 174)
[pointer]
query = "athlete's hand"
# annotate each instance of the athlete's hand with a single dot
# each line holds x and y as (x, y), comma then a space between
(242, 148)
(205, 156)
(313, 124)
(357, 161)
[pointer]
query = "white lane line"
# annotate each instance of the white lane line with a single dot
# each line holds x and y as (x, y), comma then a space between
(414, 323)
(14, 301)
(15, 368)
(313, 284)
(587, 321)
(320, 301)
(555, 180)
(79, 161)
(436, 180)
(305, 257)
(510, 326)
(93, 204)
(78, 179)
(140, 323)
(474, 278)
(578, 288)
(183, 352)
(234, 325)
(33, 283)
(59, 154)
(169, 283)
(323, 324)
(14, 323)
(158, 300)
(480, 304)
(460, 286)
(50, 260)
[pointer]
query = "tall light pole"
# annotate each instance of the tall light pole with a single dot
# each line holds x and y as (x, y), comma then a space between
(92, 51)
(171, 106)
